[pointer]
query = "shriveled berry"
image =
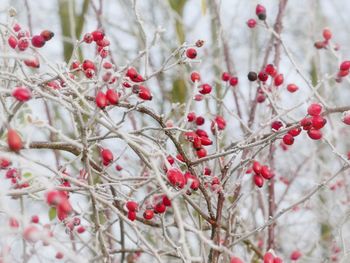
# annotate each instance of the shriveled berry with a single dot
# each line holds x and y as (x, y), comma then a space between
(252, 76)
(88, 38)
(200, 120)
(47, 35)
(23, 44)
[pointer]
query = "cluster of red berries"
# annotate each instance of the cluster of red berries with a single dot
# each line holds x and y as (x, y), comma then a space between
(59, 200)
(161, 203)
(228, 78)
(261, 173)
(101, 41)
(327, 35)
(75, 223)
(260, 11)
(111, 97)
(179, 179)
(269, 257)
(15, 176)
(315, 122)
(343, 70)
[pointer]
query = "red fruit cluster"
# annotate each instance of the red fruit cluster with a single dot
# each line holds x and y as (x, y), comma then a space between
(261, 172)
(199, 140)
(179, 180)
(228, 78)
(102, 100)
(101, 41)
(315, 122)
(142, 91)
(270, 258)
(134, 76)
(15, 176)
(218, 123)
(59, 200)
(343, 70)
(322, 44)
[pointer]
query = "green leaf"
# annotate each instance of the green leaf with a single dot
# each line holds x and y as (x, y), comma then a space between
(27, 175)
(179, 91)
(52, 213)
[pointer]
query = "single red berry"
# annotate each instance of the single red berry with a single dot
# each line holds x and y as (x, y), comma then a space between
(101, 100)
(33, 63)
(346, 117)
(314, 109)
(314, 134)
(14, 141)
(288, 139)
(306, 123)
(327, 34)
(107, 156)
(277, 260)
(159, 208)
(225, 76)
(22, 94)
(269, 257)
(292, 88)
(263, 76)
(191, 116)
(251, 23)
(220, 123)
(12, 41)
(35, 219)
(166, 201)
(112, 96)
(236, 260)
(88, 64)
(144, 93)
(38, 41)
(176, 177)
(200, 120)
(88, 38)
(4, 163)
(343, 73)
(318, 122)
(295, 255)
(59, 255)
(260, 98)
(191, 53)
(260, 11)
(345, 65)
(265, 172)
(257, 167)
(148, 214)
(16, 27)
(207, 171)
(47, 34)
(23, 44)
(258, 180)
(98, 35)
(132, 206)
(276, 125)
(233, 81)
(278, 80)
(201, 153)
(201, 133)
(205, 141)
(320, 44)
(195, 76)
(197, 143)
(81, 229)
(205, 89)
(271, 70)
(295, 132)
(89, 73)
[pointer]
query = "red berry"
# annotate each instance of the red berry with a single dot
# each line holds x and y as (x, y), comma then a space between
(295, 255)
(98, 35)
(292, 88)
(132, 206)
(145, 93)
(315, 134)
(88, 64)
(31, 233)
(35, 219)
(276, 125)
(201, 133)
(195, 76)
(277, 260)
(257, 167)
(320, 44)
(197, 143)
(327, 34)
(201, 153)
(260, 98)
(263, 76)
(251, 23)
(306, 123)
(38, 41)
(288, 139)
(33, 63)
(81, 229)
(23, 44)
(233, 81)
(206, 141)
(270, 69)
(148, 214)
(89, 73)
(268, 257)
(191, 53)
(205, 89)
(191, 116)
(225, 76)
(47, 34)
(200, 120)
(278, 80)
(88, 38)
(14, 141)
(295, 132)
(166, 201)
(22, 94)
(345, 65)
(346, 117)
(59, 255)
(107, 156)
(4, 163)
(258, 180)
(176, 177)
(266, 173)
(314, 109)
(112, 96)
(318, 122)
(12, 41)
(159, 208)
(235, 260)
(101, 100)
(343, 73)
(220, 123)
(16, 27)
